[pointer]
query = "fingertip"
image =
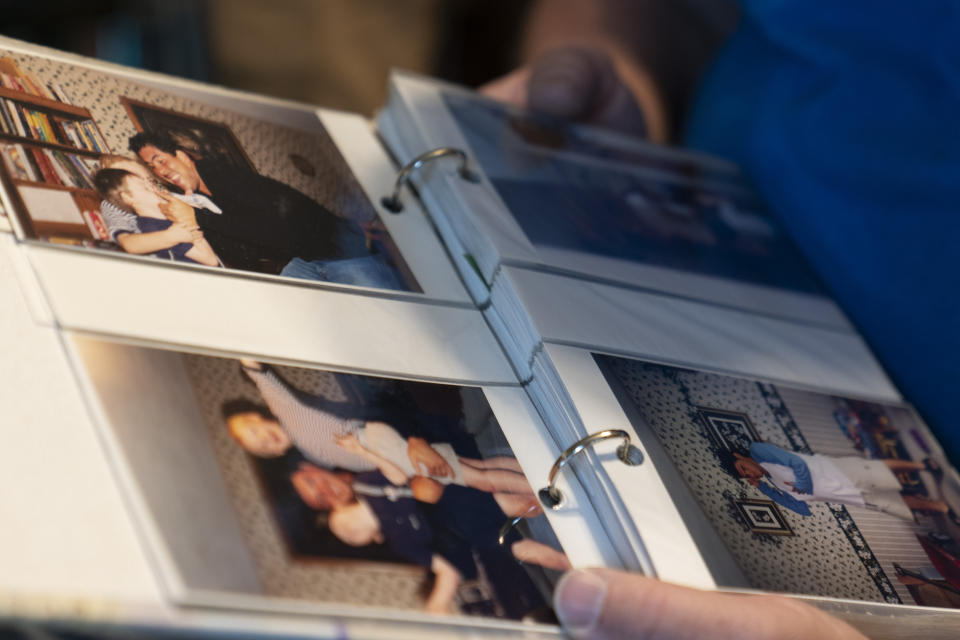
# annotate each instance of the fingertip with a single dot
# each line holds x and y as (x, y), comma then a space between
(579, 599)
(511, 88)
(563, 83)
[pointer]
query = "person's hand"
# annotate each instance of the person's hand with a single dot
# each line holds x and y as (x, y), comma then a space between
(426, 460)
(603, 603)
(177, 210)
(580, 84)
(793, 488)
(178, 232)
(753, 481)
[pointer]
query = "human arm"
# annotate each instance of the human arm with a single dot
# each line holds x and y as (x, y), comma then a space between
(784, 499)
(202, 252)
(281, 399)
(603, 603)
(141, 243)
(766, 452)
(424, 457)
(391, 471)
(445, 584)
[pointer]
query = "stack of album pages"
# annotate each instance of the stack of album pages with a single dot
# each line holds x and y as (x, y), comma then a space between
(583, 238)
(253, 382)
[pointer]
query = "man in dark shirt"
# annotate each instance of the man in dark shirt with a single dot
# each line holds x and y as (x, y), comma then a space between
(440, 532)
(265, 224)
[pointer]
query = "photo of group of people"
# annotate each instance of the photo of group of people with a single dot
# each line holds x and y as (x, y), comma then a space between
(169, 183)
(809, 493)
(567, 190)
(369, 472)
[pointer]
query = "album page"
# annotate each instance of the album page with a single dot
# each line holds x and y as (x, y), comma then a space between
(597, 205)
(138, 504)
(67, 536)
(776, 487)
(162, 210)
(260, 486)
(556, 309)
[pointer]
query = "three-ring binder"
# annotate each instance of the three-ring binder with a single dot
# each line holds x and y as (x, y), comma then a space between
(392, 202)
(550, 496)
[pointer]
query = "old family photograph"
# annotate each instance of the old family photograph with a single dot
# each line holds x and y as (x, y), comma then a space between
(99, 161)
(366, 490)
(808, 492)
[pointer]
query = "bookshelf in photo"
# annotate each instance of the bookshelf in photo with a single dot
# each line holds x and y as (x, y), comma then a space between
(50, 150)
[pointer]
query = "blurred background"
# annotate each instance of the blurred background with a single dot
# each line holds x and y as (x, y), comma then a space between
(333, 53)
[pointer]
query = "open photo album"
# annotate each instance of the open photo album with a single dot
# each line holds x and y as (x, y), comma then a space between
(282, 369)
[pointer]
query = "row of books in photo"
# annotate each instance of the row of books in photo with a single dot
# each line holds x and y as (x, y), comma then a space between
(26, 83)
(19, 120)
(50, 166)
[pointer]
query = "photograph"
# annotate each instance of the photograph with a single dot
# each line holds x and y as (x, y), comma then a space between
(103, 162)
(810, 493)
(411, 477)
(567, 189)
(325, 487)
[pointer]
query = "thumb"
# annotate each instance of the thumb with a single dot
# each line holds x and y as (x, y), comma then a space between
(582, 84)
(602, 604)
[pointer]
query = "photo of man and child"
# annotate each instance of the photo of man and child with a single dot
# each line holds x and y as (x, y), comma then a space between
(114, 165)
(169, 203)
(388, 472)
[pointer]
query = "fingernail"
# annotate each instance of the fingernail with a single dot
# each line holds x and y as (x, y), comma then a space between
(578, 601)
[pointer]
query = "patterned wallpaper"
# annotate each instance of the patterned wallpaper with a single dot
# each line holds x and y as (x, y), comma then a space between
(267, 145)
(825, 556)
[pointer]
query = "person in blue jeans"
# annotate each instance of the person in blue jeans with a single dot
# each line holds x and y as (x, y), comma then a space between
(365, 271)
(843, 115)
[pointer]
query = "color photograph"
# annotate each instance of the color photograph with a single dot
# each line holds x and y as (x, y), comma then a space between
(408, 479)
(316, 487)
(99, 161)
(810, 493)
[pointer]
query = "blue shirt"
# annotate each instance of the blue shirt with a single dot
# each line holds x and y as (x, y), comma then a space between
(845, 118)
(764, 452)
(176, 252)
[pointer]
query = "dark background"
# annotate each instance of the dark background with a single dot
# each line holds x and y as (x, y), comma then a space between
(333, 53)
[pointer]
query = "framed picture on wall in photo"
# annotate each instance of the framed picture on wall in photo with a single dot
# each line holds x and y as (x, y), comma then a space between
(204, 138)
(728, 430)
(763, 517)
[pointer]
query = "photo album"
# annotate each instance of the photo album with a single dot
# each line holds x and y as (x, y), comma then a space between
(273, 368)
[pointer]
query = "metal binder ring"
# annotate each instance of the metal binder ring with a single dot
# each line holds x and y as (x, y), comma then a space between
(628, 454)
(393, 203)
(512, 522)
